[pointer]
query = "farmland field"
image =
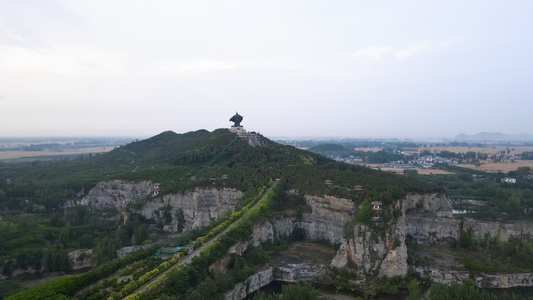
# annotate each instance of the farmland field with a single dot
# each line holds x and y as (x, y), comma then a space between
(488, 165)
(17, 154)
(487, 150)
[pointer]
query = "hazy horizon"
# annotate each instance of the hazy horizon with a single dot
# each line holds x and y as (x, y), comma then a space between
(387, 69)
(295, 138)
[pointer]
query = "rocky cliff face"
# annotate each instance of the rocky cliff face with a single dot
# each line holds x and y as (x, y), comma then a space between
(327, 219)
(428, 230)
(436, 203)
(366, 250)
(440, 229)
(199, 208)
(192, 209)
(481, 280)
(378, 248)
(81, 259)
(252, 284)
(116, 194)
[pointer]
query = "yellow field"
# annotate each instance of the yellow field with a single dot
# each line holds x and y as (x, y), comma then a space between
(22, 154)
(500, 167)
(488, 150)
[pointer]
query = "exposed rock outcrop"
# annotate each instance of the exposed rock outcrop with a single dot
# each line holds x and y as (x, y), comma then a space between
(199, 208)
(444, 276)
(116, 194)
(427, 230)
(291, 274)
(481, 280)
(437, 203)
(376, 248)
(81, 259)
(504, 280)
(252, 284)
(328, 217)
(187, 211)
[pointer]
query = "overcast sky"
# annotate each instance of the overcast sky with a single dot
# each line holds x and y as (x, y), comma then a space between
(291, 68)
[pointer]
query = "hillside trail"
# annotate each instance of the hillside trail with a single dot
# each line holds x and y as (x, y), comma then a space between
(196, 252)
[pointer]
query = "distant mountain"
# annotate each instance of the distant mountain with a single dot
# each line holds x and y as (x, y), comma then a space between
(494, 136)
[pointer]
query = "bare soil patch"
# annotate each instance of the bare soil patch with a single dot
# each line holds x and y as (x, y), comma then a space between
(300, 252)
(441, 256)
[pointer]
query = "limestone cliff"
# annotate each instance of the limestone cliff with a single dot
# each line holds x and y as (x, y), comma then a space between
(116, 194)
(375, 248)
(252, 284)
(435, 230)
(199, 207)
(436, 203)
(193, 209)
(327, 218)
(81, 259)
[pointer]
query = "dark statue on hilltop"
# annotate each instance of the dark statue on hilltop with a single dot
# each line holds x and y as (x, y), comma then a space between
(237, 119)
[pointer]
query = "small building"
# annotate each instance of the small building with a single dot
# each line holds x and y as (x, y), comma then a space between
(167, 252)
(156, 189)
(328, 182)
(376, 206)
(508, 180)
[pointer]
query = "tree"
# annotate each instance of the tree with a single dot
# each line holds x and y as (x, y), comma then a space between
(64, 235)
(414, 290)
(105, 251)
(364, 213)
(140, 234)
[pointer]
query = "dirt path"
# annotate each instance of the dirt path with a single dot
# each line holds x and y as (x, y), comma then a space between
(196, 252)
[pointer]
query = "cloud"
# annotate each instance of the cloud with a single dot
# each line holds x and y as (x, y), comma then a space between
(61, 60)
(291, 67)
(374, 53)
(419, 48)
(208, 66)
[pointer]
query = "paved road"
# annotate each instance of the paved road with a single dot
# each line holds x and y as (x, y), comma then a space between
(187, 259)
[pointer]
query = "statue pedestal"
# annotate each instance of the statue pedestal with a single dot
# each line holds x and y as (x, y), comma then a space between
(238, 130)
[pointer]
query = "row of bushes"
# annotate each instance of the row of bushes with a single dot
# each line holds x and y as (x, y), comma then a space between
(234, 216)
(133, 285)
(60, 289)
(154, 284)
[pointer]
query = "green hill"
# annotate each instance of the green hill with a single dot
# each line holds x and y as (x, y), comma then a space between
(171, 159)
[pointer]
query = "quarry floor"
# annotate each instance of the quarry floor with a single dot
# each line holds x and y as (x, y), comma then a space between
(301, 252)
